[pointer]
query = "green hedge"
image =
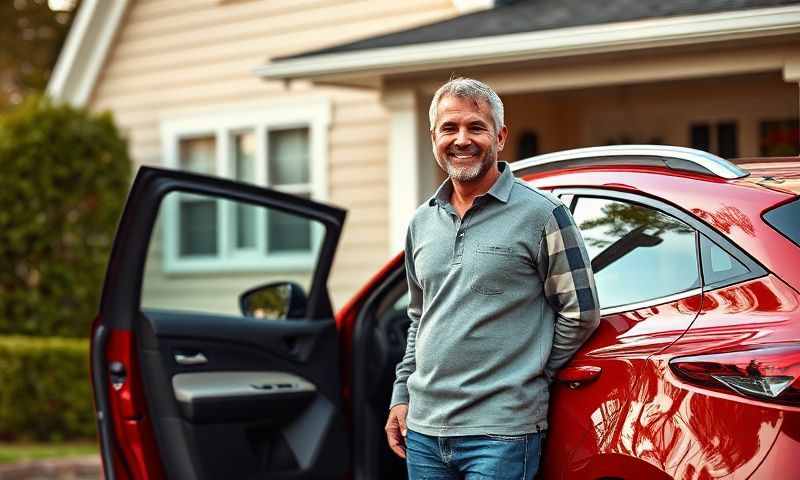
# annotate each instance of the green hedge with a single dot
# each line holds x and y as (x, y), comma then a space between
(65, 175)
(45, 391)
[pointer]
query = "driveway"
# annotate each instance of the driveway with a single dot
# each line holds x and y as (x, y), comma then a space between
(79, 468)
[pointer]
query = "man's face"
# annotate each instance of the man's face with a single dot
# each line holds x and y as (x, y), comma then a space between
(465, 142)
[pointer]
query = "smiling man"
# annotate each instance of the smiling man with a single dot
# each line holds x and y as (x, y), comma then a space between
(501, 296)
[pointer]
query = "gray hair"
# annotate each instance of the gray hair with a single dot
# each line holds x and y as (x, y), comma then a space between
(472, 89)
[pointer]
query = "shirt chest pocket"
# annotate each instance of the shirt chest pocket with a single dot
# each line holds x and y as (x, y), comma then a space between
(490, 269)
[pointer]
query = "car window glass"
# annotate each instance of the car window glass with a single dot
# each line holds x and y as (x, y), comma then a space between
(784, 219)
(718, 265)
(401, 304)
(637, 252)
(206, 251)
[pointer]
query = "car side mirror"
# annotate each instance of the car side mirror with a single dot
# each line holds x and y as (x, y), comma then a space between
(279, 301)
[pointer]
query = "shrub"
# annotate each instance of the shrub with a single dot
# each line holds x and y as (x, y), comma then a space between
(65, 173)
(45, 392)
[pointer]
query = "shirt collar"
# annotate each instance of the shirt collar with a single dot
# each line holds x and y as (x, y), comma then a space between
(442, 194)
(501, 189)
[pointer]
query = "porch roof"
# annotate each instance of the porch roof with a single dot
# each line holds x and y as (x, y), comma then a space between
(536, 15)
(528, 30)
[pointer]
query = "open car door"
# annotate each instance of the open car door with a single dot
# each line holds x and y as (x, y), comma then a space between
(186, 385)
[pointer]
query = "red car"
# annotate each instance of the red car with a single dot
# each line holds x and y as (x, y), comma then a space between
(694, 372)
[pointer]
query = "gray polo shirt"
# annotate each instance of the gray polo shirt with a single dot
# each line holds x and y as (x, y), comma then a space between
(499, 300)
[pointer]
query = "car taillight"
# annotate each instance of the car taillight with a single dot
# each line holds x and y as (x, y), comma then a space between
(770, 373)
(766, 387)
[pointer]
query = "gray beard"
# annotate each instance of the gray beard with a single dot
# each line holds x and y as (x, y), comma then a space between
(468, 174)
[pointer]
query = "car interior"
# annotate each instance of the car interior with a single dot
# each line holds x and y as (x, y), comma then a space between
(378, 345)
(192, 410)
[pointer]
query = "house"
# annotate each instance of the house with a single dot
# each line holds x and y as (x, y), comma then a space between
(339, 89)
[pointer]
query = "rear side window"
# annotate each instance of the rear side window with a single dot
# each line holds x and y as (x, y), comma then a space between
(719, 266)
(637, 253)
(786, 220)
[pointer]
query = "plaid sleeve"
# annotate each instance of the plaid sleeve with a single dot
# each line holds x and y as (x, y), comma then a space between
(566, 273)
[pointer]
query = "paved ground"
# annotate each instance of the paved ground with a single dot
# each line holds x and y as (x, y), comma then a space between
(79, 468)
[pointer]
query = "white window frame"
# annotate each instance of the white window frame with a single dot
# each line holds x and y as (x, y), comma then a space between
(314, 114)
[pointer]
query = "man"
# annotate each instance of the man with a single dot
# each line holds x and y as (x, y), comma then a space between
(501, 296)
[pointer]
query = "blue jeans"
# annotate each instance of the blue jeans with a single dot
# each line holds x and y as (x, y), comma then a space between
(474, 457)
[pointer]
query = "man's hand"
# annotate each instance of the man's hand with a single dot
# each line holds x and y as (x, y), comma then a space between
(396, 429)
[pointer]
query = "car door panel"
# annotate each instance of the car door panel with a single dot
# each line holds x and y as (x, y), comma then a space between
(294, 341)
(598, 417)
(604, 415)
(225, 398)
(127, 439)
(201, 395)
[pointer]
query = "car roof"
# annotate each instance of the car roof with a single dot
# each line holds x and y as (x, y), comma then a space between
(687, 190)
(780, 172)
(675, 158)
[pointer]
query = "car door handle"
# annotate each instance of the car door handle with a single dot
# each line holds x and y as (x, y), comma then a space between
(577, 376)
(196, 359)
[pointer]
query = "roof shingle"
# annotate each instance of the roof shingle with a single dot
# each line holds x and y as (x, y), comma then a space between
(533, 15)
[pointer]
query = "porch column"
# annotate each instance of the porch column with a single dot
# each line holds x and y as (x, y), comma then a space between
(404, 172)
(791, 72)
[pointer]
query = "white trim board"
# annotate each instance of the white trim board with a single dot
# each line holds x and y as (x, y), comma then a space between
(85, 50)
(404, 172)
(315, 112)
(470, 6)
(602, 38)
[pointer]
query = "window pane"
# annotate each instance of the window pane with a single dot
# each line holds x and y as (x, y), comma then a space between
(288, 156)
(198, 227)
(288, 233)
(198, 155)
(700, 136)
(727, 140)
(637, 253)
(245, 226)
(718, 265)
(244, 152)
(780, 138)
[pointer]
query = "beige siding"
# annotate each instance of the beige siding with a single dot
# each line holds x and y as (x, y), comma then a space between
(173, 59)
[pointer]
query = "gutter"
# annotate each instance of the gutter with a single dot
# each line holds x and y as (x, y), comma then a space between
(608, 37)
(85, 50)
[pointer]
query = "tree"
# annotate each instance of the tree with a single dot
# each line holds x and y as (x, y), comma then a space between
(31, 33)
(65, 175)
